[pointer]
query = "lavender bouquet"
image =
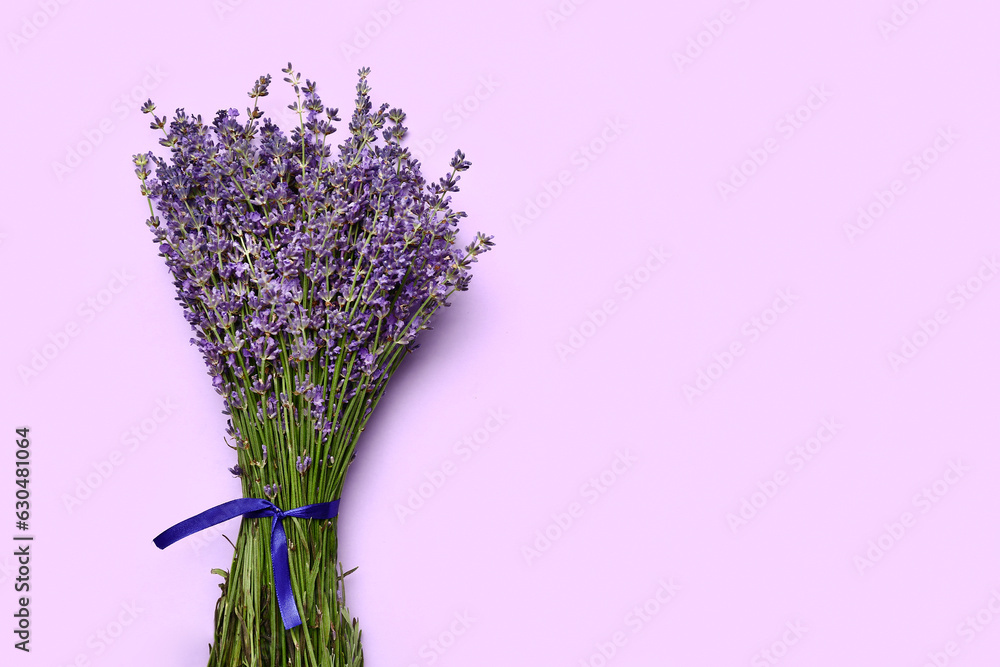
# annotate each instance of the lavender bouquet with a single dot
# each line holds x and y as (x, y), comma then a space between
(307, 279)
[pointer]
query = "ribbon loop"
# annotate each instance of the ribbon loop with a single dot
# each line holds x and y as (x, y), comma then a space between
(258, 508)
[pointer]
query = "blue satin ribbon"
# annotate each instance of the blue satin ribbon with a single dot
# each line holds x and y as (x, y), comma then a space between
(255, 508)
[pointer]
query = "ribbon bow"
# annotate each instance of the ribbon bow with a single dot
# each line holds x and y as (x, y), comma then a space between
(255, 508)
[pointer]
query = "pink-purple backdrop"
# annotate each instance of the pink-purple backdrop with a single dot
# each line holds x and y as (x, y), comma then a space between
(725, 393)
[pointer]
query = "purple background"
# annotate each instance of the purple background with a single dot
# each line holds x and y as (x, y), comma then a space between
(826, 494)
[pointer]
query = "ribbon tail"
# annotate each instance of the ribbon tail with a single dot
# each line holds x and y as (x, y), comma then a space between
(282, 576)
(208, 518)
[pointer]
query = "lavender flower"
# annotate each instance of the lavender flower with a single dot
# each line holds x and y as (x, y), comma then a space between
(302, 464)
(295, 264)
(236, 470)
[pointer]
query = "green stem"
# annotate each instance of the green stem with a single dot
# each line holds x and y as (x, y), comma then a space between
(248, 628)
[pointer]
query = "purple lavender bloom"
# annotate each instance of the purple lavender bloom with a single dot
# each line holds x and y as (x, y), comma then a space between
(302, 464)
(306, 269)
